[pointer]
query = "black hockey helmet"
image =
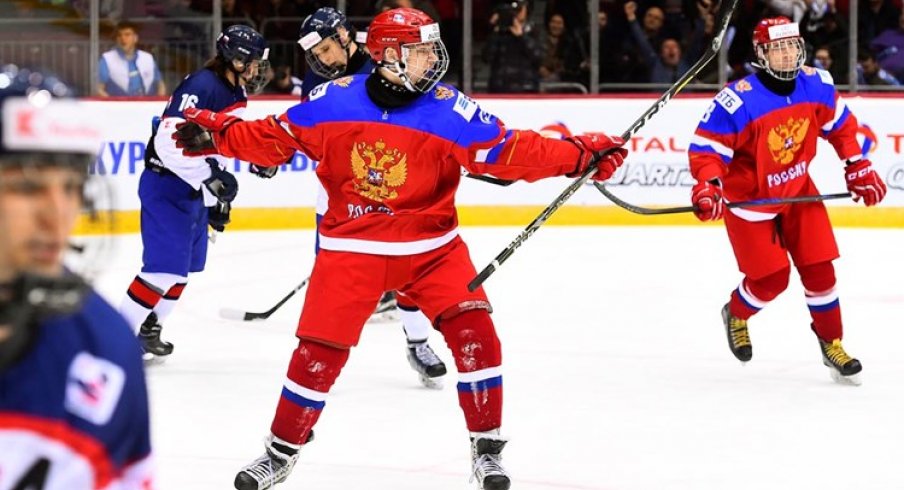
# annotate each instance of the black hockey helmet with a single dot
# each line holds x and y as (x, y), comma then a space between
(326, 23)
(240, 46)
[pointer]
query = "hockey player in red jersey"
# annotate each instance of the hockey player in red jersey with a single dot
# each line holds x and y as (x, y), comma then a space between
(757, 140)
(391, 146)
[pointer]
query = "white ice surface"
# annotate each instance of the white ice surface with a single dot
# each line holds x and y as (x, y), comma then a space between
(617, 373)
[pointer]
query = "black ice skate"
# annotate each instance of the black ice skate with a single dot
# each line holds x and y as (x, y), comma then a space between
(738, 336)
(271, 468)
(428, 365)
(152, 347)
(843, 368)
(486, 459)
(386, 310)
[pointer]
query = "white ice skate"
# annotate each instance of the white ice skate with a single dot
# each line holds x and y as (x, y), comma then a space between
(271, 468)
(430, 368)
(486, 461)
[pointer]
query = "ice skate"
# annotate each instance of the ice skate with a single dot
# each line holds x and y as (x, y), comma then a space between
(486, 459)
(154, 350)
(273, 467)
(429, 366)
(386, 310)
(843, 368)
(738, 336)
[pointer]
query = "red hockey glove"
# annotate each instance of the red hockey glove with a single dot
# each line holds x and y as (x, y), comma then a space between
(599, 143)
(194, 135)
(706, 197)
(864, 182)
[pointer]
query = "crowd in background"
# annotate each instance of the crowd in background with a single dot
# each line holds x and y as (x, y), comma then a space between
(519, 46)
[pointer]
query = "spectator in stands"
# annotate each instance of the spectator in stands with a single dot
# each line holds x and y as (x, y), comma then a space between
(424, 6)
(650, 29)
(793, 9)
(616, 64)
(870, 73)
(875, 16)
(670, 63)
(283, 82)
(889, 49)
(564, 57)
(126, 70)
(514, 55)
(825, 60)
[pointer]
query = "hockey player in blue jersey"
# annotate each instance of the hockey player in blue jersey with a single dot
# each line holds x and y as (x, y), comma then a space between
(328, 41)
(181, 196)
(73, 399)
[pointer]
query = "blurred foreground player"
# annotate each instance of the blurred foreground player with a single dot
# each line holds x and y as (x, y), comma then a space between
(73, 401)
(756, 141)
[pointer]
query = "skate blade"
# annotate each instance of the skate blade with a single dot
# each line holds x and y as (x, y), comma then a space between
(384, 317)
(852, 380)
(432, 383)
(152, 360)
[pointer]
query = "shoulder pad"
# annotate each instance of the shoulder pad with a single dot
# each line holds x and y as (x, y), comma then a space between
(729, 100)
(825, 76)
(465, 106)
(318, 91)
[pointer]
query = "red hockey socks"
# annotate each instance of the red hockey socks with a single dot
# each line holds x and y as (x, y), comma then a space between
(312, 371)
(752, 295)
(822, 299)
(478, 355)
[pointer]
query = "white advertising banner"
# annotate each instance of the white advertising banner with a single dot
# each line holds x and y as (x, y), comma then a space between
(655, 172)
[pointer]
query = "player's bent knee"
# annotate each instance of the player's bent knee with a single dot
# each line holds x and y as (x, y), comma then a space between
(769, 287)
(818, 277)
(472, 339)
(316, 365)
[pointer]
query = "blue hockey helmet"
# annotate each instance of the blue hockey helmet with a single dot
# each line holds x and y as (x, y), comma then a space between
(240, 46)
(326, 23)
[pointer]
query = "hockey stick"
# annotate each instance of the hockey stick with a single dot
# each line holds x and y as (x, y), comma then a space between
(247, 316)
(488, 179)
(740, 204)
(727, 8)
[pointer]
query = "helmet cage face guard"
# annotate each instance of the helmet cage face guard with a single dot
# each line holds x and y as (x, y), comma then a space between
(313, 39)
(417, 78)
(782, 46)
(779, 36)
(420, 78)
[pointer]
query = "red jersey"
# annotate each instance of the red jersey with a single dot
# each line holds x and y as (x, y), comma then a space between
(761, 143)
(391, 174)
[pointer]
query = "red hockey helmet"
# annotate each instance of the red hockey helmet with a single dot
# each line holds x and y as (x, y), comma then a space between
(421, 58)
(779, 48)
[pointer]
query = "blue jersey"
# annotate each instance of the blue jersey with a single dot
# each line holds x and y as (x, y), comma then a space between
(203, 89)
(74, 410)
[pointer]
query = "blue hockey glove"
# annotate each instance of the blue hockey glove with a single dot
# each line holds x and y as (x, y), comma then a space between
(218, 216)
(221, 183)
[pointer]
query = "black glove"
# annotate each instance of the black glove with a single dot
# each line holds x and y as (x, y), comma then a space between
(218, 216)
(221, 183)
(263, 172)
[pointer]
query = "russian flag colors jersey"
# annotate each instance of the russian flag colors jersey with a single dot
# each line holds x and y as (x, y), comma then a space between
(74, 410)
(760, 144)
(391, 175)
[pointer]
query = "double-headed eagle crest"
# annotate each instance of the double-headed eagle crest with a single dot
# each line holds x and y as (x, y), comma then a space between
(378, 170)
(785, 140)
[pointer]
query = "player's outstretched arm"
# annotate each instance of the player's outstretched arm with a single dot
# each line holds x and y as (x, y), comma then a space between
(267, 142)
(527, 155)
